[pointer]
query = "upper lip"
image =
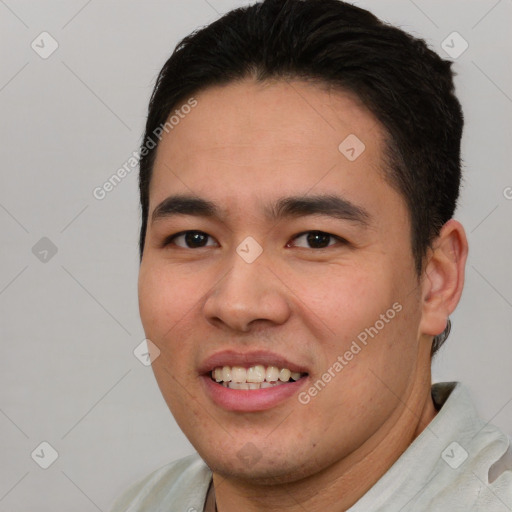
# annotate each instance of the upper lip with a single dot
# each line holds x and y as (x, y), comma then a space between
(235, 358)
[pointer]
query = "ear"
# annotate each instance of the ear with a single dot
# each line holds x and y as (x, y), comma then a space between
(443, 278)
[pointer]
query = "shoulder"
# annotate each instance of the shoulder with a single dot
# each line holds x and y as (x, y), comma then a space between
(481, 480)
(182, 483)
(474, 471)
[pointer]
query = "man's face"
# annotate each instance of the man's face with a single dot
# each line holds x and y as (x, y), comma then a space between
(307, 302)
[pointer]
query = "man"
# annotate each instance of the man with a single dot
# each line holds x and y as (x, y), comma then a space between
(299, 264)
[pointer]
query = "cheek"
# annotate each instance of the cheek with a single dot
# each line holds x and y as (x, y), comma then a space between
(168, 305)
(152, 301)
(346, 298)
(369, 318)
(164, 299)
(162, 305)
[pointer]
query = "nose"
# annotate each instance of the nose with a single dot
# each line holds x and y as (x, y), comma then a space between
(248, 294)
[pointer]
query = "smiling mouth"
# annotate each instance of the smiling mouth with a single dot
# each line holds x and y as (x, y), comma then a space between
(253, 377)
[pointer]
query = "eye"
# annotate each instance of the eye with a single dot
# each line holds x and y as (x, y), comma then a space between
(188, 239)
(317, 239)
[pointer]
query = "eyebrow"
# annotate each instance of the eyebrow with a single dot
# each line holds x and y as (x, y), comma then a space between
(286, 207)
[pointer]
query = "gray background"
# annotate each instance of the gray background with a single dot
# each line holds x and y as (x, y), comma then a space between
(69, 324)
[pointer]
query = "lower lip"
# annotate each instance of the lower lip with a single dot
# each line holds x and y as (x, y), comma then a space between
(250, 400)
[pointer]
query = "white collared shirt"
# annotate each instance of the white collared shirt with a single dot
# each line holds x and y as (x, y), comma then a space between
(459, 463)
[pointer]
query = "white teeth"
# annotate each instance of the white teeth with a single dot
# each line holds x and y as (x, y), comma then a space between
(226, 373)
(272, 374)
(238, 385)
(284, 375)
(238, 374)
(256, 373)
(254, 377)
(251, 385)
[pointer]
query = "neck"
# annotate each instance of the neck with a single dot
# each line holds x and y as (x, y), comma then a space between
(343, 483)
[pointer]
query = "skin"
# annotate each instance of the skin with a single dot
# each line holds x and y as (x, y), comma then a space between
(242, 147)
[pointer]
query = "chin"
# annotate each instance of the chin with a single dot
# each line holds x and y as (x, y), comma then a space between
(264, 475)
(248, 464)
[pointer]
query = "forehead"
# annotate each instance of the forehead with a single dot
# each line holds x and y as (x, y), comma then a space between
(250, 141)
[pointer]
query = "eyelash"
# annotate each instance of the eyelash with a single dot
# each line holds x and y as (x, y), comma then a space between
(170, 239)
